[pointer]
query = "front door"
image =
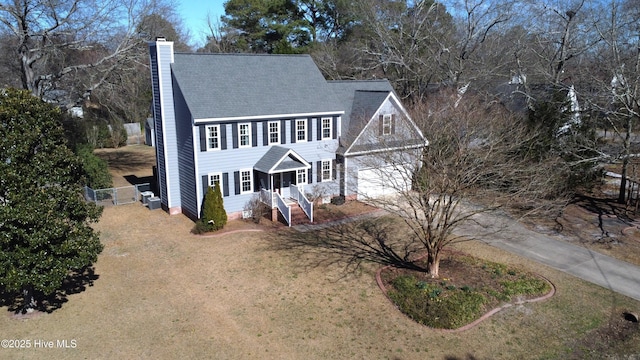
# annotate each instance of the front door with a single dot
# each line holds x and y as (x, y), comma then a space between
(286, 181)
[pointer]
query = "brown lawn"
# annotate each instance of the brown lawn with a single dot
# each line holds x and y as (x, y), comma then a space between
(163, 293)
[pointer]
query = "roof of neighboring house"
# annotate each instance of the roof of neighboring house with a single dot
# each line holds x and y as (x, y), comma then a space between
(247, 85)
(360, 99)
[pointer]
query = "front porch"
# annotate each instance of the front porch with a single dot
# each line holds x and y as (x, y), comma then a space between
(289, 207)
(282, 175)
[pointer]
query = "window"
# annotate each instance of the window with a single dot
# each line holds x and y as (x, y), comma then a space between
(215, 178)
(326, 170)
(386, 124)
(274, 132)
(301, 130)
(326, 128)
(213, 137)
(244, 134)
(246, 181)
(301, 177)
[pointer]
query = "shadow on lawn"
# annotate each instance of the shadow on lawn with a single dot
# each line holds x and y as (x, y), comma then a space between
(378, 240)
(126, 160)
(75, 283)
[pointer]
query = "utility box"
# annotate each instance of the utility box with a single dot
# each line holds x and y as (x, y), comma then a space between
(153, 203)
(146, 195)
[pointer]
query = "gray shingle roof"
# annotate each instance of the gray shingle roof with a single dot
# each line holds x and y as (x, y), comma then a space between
(285, 158)
(360, 99)
(247, 85)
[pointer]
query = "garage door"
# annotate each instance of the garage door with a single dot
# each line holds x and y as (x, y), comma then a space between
(379, 182)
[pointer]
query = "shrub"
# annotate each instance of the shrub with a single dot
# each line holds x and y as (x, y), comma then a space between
(96, 170)
(524, 286)
(256, 207)
(337, 200)
(213, 213)
(428, 304)
(201, 227)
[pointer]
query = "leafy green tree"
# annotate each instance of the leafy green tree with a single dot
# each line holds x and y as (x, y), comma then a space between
(45, 232)
(273, 26)
(213, 212)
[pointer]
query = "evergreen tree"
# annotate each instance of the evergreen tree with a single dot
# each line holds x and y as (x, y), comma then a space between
(274, 26)
(45, 231)
(213, 212)
(219, 215)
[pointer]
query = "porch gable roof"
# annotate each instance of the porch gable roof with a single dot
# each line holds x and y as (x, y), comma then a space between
(280, 159)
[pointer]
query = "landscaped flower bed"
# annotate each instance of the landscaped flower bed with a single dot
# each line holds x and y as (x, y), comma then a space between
(467, 288)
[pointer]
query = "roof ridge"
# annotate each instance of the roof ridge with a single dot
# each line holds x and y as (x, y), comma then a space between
(373, 90)
(241, 54)
(352, 81)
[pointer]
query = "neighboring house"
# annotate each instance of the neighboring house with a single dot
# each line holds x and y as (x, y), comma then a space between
(519, 98)
(268, 126)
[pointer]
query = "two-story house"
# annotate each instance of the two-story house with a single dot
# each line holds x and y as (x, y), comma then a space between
(268, 124)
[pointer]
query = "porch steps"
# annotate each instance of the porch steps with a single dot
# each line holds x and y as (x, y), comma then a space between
(298, 217)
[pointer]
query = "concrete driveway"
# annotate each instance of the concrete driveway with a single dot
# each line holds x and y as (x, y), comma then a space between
(507, 234)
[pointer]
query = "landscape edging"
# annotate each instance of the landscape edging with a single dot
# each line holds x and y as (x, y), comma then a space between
(481, 318)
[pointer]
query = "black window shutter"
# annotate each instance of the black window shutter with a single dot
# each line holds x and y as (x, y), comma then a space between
(265, 133)
(203, 137)
(381, 125)
(223, 136)
(335, 128)
(234, 134)
(319, 168)
(236, 179)
(319, 125)
(333, 169)
(309, 130)
(225, 181)
(205, 185)
(256, 182)
(310, 175)
(294, 131)
(393, 123)
(254, 134)
(283, 131)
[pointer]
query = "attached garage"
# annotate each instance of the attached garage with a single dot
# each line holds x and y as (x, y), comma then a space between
(377, 182)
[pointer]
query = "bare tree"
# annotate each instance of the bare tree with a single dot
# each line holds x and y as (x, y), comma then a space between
(55, 41)
(616, 92)
(399, 42)
(477, 161)
(464, 60)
